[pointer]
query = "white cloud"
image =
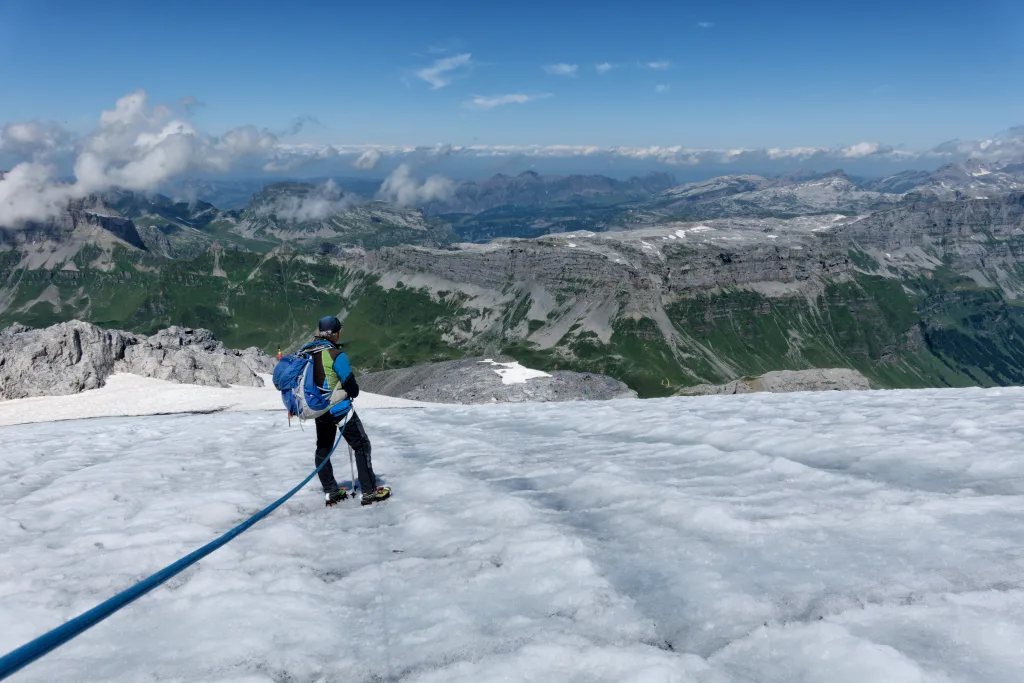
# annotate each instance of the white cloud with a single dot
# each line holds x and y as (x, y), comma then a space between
(481, 102)
(442, 71)
(705, 24)
(604, 67)
(284, 161)
(403, 189)
(670, 155)
(32, 137)
(246, 140)
(659, 66)
(134, 147)
(438, 151)
(861, 149)
(28, 193)
(1006, 147)
(662, 87)
(317, 204)
(368, 160)
(562, 69)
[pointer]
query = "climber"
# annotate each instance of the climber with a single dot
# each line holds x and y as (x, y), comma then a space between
(331, 371)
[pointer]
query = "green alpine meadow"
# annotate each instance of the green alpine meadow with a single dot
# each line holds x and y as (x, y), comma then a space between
(922, 294)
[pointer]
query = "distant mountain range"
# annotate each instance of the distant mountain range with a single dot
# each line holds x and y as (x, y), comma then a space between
(531, 206)
(231, 195)
(751, 195)
(793, 192)
(808, 194)
(324, 216)
(282, 214)
(528, 189)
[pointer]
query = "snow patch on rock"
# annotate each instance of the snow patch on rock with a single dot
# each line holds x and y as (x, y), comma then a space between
(514, 373)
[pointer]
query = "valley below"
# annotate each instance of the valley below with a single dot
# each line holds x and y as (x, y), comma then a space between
(921, 291)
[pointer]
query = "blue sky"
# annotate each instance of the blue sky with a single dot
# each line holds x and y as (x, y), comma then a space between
(739, 73)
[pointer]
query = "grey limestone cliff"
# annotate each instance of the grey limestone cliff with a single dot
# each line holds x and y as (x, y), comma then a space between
(81, 216)
(71, 357)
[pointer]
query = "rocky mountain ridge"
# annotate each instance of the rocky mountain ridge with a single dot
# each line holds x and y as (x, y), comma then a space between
(297, 214)
(808, 194)
(973, 180)
(532, 189)
(307, 216)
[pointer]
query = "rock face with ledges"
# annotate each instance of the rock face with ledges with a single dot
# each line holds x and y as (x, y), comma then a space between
(984, 236)
(75, 356)
(90, 212)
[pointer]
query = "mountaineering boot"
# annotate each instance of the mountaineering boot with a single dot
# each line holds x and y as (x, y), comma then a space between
(334, 497)
(382, 493)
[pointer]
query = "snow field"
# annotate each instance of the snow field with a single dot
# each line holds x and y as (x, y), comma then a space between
(841, 537)
(131, 395)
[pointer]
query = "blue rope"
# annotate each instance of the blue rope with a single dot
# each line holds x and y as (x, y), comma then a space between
(46, 643)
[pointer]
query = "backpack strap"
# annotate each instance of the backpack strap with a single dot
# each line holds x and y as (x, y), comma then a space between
(316, 345)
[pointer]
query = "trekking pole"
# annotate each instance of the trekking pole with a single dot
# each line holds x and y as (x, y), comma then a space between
(352, 466)
(351, 457)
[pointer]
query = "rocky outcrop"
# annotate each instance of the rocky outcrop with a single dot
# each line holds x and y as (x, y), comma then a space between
(71, 357)
(63, 359)
(493, 380)
(194, 356)
(784, 381)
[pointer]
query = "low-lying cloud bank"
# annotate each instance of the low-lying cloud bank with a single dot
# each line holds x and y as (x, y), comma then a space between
(135, 146)
(142, 146)
(1007, 147)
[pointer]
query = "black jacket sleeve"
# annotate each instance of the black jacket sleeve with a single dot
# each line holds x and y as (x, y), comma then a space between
(350, 386)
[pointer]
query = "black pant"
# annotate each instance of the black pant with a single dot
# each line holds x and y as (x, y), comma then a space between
(355, 436)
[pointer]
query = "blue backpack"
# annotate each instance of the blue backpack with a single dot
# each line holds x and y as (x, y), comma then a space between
(293, 377)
